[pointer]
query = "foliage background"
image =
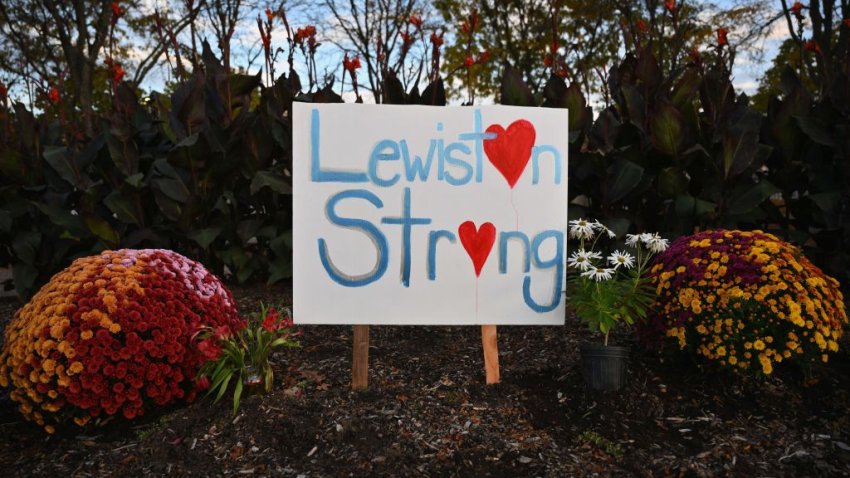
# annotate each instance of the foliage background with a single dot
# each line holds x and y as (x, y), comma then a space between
(204, 169)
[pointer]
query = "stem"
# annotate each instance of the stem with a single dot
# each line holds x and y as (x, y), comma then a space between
(606, 339)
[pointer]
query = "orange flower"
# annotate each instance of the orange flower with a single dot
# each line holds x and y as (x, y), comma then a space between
(797, 10)
(437, 39)
(53, 95)
(813, 47)
(269, 15)
(721, 36)
(670, 5)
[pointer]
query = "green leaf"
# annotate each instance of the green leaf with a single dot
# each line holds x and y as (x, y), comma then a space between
(62, 217)
(59, 158)
(243, 84)
(5, 221)
(667, 130)
(817, 130)
(393, 90)
(24, 277)
(173, 188)
(122, 207)
(434, 94)
(10, 162)
(237, 394)
(223, 383)
(272, 180)
(135, 180)
(752, 197)
(624, 177)
(205, 237)
(102, 229)
(687, 206)
(26, 246)
(672, 182)
(513, 90)
(739, 151)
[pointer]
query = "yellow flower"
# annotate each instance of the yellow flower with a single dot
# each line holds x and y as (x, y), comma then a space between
(86, 334)
(732, 360)
(721, 351)
(758, 344)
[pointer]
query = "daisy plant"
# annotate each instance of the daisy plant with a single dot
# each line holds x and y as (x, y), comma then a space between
(605, 289)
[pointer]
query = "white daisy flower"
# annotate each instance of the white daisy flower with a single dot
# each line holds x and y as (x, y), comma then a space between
(632, 240)
(645, 238)
(581, 229)
(582, 259)
(602, 228)
(598, 273)
(621, 258)
(658, 244)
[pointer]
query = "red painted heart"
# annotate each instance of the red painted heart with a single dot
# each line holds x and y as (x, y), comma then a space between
(510, 150)
(477, 242)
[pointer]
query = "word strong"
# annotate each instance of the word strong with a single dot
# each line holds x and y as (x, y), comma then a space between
(426, 215)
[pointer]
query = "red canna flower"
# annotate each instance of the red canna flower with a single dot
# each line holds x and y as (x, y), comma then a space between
(846, 22)
(407, 39)
(416, 21)
(813, 47)
(721, 37)
(117, 11)
(53, 95)
(547, 60)
(797, 10)
(305, 33)
(117, 73)
(351, 65)
(269, 15)
(670, 5)
(695, 55)
(469, 61)
(483, 57)
(437, 39)
(641, 25)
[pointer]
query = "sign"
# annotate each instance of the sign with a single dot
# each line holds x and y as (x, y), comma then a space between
(429, 215)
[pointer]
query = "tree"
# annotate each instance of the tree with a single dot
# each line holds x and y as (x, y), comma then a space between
(581, 39)
(387, 36)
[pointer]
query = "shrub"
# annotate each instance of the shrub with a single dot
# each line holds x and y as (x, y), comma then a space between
(111, 333)
(745, 301)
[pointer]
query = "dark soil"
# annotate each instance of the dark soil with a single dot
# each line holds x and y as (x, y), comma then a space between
(428, 413)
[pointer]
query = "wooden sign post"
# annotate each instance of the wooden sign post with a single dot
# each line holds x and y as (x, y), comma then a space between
(416, 215)
(360, 358)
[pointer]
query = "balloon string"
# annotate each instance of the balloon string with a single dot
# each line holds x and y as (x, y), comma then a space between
(476, 299)
(516, 212)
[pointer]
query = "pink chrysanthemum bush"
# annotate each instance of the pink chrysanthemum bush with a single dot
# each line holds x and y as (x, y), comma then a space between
(745, 301)
(111, 335)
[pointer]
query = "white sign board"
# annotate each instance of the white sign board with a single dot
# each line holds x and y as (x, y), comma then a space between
(429, 215)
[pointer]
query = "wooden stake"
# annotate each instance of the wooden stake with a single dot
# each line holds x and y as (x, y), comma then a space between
(489, 341)
(360, 358)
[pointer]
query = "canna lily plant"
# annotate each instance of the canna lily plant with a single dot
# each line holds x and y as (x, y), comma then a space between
(606, 289)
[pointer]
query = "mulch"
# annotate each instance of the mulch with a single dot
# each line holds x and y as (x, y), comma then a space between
(428, 413)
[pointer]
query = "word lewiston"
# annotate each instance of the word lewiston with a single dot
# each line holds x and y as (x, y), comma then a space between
(393, 167)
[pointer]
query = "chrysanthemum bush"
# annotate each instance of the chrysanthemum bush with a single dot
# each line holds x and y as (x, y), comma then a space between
(111, 335)
(745, 301)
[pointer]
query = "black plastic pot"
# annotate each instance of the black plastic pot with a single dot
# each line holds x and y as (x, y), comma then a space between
(605, 368)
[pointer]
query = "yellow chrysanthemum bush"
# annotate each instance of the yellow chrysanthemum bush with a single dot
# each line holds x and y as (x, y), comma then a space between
(111, 335)
(746, 301)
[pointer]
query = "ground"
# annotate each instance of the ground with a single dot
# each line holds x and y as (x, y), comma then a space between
(428, 413)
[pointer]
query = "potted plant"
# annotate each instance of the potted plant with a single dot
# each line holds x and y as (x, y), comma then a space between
(241, 359)
(605, 289)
